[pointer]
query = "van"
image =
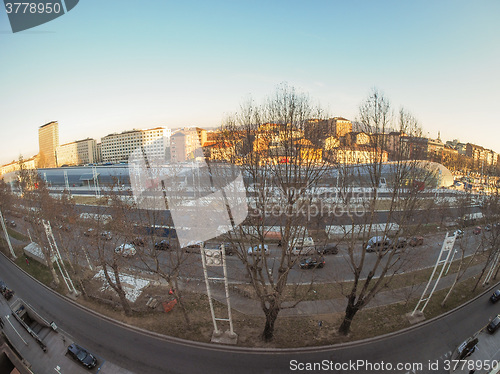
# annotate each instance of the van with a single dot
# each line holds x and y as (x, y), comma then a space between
(303, 246)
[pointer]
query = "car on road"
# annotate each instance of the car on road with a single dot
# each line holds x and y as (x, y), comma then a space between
(495, 297)
(312, 262)
(90, 232)
(494, 324)
(378, 243)
(303, 246)
(13, 223)
(126, 250)
(327, 249)
(467, 348)
(193, 248)
(487, 227)
(162, 245)
(138, 242)
(83, 356)
(230, 248)
(477, 230)
(399, 243)
(258, 249)
(106, 235)
(416, 241)
(459, 234)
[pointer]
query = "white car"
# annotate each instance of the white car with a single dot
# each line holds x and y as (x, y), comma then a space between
(126, 250)
(303, 246)
(258, 249)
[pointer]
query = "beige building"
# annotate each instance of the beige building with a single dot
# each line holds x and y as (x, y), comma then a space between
(185, 146)
(48, 141)
(77, 153)
(30, 163)
(118, 147)
(357, 154)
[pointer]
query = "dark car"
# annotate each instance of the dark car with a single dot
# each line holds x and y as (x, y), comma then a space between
(162, 245)
(495, 297)
(416, 241)
(230, 248)
(193, 248)
(312, 263)
(327, 249)
(477, 230)
(399, 243)
(138, 242)
(494, 324)
(82, 356)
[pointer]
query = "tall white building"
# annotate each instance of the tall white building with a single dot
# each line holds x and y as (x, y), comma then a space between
(118, 147)
(77, 153)
(185, 145)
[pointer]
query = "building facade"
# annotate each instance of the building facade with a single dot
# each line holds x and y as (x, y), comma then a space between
(77, 153)
(185, 146)
(118, 147)
(48, 141)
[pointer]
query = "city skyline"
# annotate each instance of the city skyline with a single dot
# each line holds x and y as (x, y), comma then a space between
(178, 65)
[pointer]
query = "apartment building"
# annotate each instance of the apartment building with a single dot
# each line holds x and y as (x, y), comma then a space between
(79, 152)
(185, 146)
(48, 141)
(30, 163)
(118, 147)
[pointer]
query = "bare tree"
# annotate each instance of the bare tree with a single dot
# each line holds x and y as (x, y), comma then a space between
(405, 180)
(279, 166)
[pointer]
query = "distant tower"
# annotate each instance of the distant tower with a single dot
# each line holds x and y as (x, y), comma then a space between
(439, 135)
(48, 141)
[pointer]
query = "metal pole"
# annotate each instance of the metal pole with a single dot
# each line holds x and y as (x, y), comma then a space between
(209, 294)
(223, 250)
(7, 238)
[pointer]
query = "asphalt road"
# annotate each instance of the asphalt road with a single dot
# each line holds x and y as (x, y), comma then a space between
(143, 353)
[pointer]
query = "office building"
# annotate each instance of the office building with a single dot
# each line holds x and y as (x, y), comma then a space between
(48, 141)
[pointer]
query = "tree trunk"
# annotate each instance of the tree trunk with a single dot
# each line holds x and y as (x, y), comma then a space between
(271, 316)
(350, 312)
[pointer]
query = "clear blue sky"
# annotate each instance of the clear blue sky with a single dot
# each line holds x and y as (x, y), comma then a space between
(114, 65)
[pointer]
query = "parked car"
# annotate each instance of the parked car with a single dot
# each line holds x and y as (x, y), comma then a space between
(399, 243)
(13, 223)
(106, 235)
(126, 250)
(83, 356)
(162, 245)
(193, 248)
(467, 348)
(378, 243)
(229, 248)
(487, 227)
(327, 249)
(312, 262)
(416, 241)
(5, 291)
(258, 249)
(477, 230)
(303, 246)
(495, 297)
(459, 234)
(90, 232)
(138, 242)
(494, 324)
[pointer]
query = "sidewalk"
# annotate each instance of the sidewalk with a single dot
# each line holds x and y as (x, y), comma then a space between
(252, 307)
